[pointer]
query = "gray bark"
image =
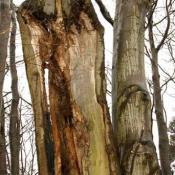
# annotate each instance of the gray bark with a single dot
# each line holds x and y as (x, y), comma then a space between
(14, 131)
(164, 151)
(131, 101)
(4, 34)
(3, 167)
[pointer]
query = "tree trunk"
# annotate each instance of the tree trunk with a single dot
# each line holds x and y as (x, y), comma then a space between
(162, 127)
(14, 131)
(30, 40)
(66, 38)
(3, 167)
(4, 34)
(131, 101)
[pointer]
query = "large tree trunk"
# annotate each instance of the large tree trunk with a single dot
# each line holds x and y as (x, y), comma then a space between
(4, 35)
(131, 101)
(66, 38)
(14, 131)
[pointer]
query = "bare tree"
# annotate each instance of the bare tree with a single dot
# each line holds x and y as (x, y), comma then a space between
(66, 38)
(155, 46)
(14, 131)
(4, 34)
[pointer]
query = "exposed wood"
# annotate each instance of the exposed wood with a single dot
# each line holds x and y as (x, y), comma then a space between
(70, 45)
(31, 46)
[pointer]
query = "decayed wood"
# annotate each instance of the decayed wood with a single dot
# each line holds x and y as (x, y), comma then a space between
(131, 101)
(31, 35)
(70, 45)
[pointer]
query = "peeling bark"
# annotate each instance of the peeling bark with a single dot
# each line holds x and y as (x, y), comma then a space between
(131, 101)
(164, 151)
(70, 45)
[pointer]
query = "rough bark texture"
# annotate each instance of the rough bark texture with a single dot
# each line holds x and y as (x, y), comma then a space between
(14, 132)
(164, 151)
(3, 167)
(30, 40)
(131, 101)
(4, 34)
(68, 41)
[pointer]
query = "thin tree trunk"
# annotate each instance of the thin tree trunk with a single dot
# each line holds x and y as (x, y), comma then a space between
(3, 167)
(4, 34)
(131, 101)
(14, 131)
(162, 127)
(67, 39)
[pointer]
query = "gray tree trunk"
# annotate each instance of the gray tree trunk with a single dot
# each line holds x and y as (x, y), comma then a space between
(131, 101)
(14, 131)
(4, 35)
(162, 127)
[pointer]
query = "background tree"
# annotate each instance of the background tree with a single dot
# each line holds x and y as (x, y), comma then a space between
(14, 132)
(158, 40)
(172, 142)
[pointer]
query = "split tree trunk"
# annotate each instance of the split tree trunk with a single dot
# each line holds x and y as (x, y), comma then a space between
(30, 40)
(66, 38)
(131, 101)
(4, 35)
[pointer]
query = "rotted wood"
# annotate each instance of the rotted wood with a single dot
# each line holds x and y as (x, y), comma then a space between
(69, 43)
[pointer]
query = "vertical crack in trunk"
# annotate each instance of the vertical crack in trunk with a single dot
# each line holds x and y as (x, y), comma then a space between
(70, 45)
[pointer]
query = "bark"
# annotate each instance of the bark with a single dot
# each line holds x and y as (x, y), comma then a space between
(35, 75)
(3, 167)
(68, 41)
(131, 101)
(162, 127)
(4, 34)
(14, 131)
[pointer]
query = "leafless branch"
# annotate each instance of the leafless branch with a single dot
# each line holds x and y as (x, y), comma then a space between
(104, 12)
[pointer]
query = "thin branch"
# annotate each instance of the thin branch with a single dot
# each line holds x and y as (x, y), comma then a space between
(167, 27)
(104, 12)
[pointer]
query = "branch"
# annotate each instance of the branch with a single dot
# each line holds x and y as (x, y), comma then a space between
(104, 12)
(167, 27)
(150, 13)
